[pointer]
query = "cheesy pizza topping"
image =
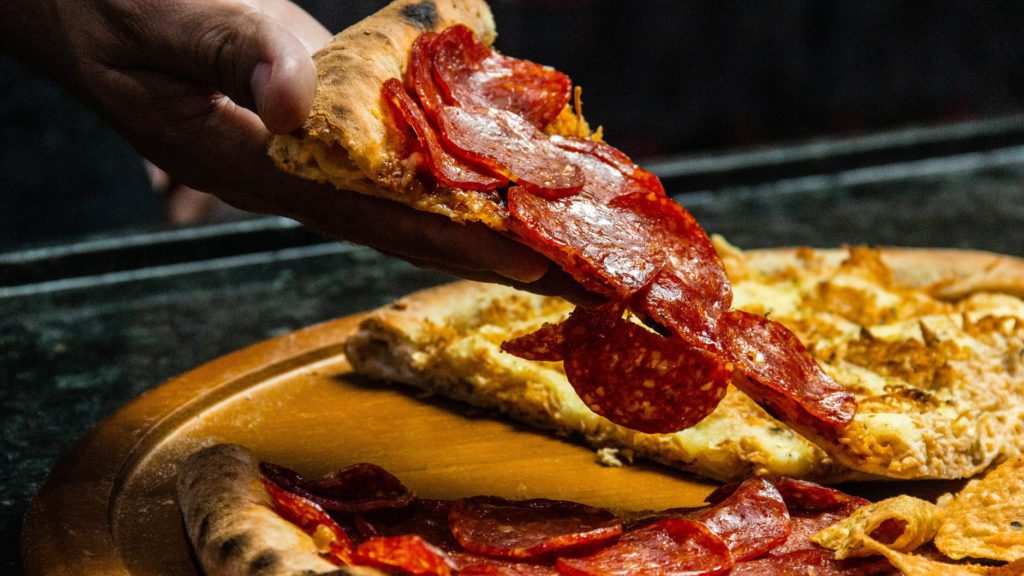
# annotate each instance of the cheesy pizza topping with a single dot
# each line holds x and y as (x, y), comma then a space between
(938, 382)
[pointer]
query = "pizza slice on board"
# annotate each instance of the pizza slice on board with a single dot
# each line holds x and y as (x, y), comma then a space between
(928, 341)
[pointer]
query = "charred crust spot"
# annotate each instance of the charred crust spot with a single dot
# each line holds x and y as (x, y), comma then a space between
(233, 547)
(422, 14)
(265, 561)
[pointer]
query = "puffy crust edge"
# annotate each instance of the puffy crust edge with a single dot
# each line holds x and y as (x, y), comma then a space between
(945, 273)
(233, 530)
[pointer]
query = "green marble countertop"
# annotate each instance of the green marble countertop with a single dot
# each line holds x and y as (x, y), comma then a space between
(73, 352)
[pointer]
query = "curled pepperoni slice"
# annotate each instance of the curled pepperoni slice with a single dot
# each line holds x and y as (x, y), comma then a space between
(751, 521)
(358, 488)
(408, 553)
(781, 376)
(802, 496)
(509, 145)
(812, 508)
(670, 547)
(448, 169)
(597, 149)
(819, 562)
(643, 180)
(547, 344)
(637, 378)
(522, 529)
(312, 519)
(691, 290)
(471, 74)
(420, 75)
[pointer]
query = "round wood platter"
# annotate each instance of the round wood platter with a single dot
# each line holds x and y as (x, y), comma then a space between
(109, 506)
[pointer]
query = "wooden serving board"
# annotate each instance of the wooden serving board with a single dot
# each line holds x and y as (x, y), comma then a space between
(109, 506)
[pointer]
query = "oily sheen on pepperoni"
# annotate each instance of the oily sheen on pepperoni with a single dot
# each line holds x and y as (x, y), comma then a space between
(635, 377)
(691, 290)
(471, 74)
(446, 168)
(819, 562)
(608, 250)
(605, 251)
(492, 567)
(408, 553)
(669, 547)
(510, 146)
(751, 521)
(782, 377)
(525, 528)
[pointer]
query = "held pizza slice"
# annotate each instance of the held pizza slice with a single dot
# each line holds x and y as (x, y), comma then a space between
(414, 105)
(929, 342)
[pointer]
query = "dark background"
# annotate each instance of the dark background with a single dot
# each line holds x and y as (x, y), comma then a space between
(663, 77)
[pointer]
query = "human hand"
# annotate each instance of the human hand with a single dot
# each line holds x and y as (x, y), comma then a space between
(199, 86)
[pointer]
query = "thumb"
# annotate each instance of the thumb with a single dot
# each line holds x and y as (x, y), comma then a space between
(248, 56)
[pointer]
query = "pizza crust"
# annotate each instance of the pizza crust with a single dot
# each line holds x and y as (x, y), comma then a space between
(446, 341)
(233, 530)
(945, 273)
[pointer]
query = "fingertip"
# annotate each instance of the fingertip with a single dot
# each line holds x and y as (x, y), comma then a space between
(283, 89)
(530, 268)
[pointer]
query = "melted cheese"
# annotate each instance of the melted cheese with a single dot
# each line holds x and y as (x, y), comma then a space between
(939, 386)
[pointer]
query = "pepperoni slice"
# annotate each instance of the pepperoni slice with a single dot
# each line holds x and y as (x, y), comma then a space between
(409, 553)
(751, 521)
(312, 519)
(471, 74)
(812, 508)
(547, 344)
(691, 290)
(509, 145)
(802, 496)
(781, 376)
(819, 562)
(522, 529)
(358, 488)
(606, 249)
(493, 567)
(670, 547)
(426, 518)
(448, 169)
(612, 156)
(637, 378)
(420, 75)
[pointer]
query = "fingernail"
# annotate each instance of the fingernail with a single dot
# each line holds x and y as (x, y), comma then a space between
(260, 85)
(526, 272)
